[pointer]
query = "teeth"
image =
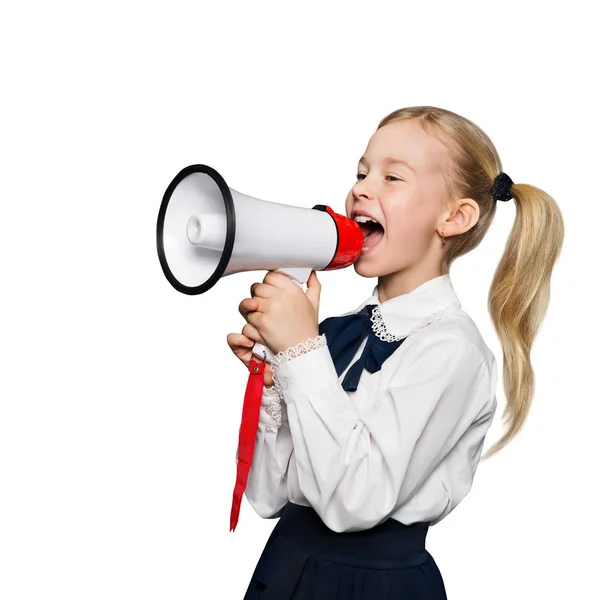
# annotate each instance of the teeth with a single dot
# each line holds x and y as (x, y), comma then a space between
(364, 219)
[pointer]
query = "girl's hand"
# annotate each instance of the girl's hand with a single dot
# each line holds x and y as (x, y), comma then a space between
(285, 315)
(242, 348)
(241, 344)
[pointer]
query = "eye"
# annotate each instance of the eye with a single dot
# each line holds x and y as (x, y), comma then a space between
(392, 177)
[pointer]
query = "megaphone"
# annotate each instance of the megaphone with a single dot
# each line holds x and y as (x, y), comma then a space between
(207, 230)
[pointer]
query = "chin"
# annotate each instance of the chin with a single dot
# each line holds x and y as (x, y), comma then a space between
(365, 270)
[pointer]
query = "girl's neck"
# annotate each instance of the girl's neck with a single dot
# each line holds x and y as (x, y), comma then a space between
(404, 281)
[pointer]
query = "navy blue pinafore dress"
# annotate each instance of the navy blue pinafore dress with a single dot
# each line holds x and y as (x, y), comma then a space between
(305, 560)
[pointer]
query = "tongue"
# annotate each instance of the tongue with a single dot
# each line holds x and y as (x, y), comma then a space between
(373, 239)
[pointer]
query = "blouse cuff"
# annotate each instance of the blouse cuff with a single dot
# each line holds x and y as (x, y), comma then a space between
(304, 369)
(271, 409)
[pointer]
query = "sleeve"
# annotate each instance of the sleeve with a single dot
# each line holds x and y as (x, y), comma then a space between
(356, 467)
(266, 488)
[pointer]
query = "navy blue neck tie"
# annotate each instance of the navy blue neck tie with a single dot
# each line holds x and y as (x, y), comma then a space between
(344, 336)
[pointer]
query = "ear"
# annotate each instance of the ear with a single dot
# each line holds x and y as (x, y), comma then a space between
(464, 214)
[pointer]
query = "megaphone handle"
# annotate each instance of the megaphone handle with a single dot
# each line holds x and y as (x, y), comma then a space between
(298, 274)
(262, 352)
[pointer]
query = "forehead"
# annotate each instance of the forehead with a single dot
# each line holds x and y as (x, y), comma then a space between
(406, 140)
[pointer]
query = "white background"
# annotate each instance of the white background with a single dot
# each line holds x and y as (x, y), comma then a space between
(121, 399)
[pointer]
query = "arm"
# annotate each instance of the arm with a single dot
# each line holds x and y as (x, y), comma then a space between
(266, 489)
(356, 466)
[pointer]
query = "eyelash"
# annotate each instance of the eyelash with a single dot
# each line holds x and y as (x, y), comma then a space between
(396, 178)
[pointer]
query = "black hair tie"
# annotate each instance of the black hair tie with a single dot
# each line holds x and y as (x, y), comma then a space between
(501, 187)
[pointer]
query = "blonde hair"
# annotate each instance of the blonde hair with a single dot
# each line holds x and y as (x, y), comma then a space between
(519, 293)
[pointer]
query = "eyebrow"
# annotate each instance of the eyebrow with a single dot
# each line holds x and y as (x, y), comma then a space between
(388, 160)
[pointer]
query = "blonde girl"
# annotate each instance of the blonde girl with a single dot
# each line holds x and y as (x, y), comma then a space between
(372, 423)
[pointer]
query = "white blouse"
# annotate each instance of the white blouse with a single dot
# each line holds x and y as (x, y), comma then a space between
(404, 445)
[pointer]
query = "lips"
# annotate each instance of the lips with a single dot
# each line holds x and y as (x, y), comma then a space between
(372, 232)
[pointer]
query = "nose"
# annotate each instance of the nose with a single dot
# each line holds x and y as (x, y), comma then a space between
(362, 190)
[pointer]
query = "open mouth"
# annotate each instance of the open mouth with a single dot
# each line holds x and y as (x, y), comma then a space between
(373, 234)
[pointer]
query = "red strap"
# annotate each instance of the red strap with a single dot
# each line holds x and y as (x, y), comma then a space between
(248, 428)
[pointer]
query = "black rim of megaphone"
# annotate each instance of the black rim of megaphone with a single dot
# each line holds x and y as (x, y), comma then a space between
(229, 240)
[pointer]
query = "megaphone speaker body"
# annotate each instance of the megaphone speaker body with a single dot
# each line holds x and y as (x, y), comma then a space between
(207, 230)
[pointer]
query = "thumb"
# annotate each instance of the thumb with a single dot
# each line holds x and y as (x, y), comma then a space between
(314, 289)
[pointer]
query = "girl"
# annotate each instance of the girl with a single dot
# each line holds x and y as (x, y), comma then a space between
(372, 423)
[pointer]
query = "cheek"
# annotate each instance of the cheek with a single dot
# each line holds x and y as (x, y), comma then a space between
(348, 204)
(408, 226)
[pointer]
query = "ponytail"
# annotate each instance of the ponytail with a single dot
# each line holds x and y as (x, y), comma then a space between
(519, 297)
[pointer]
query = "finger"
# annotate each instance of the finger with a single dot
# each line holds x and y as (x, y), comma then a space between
(314, 291)
(262, 290)
(238, 340)
(247, 305)
(251, 316)
(278, 280)
(251, 332)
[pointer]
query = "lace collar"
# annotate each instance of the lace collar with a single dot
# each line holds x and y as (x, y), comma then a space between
(401, 316)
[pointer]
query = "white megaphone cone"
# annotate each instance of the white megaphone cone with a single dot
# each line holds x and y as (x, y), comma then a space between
(206, 230)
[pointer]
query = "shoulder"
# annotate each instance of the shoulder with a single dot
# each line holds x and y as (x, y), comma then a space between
(446, 360)
(453, 342)
(458, 329)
